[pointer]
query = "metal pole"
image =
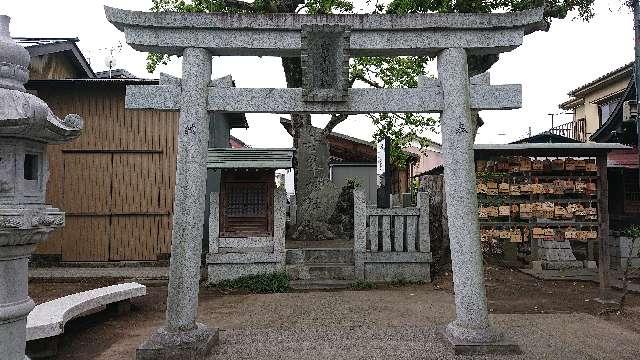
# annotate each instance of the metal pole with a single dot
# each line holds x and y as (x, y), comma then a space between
(636, 68)
(388, 171)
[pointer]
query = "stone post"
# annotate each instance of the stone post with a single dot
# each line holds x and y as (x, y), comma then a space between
(182, 337)
(422, 203)
(214, 222)
(359, 231)
(471, 325)
(279, 221)
(293, 209)
(15, 302)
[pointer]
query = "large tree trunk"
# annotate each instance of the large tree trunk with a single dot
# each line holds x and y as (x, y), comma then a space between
(316, 195)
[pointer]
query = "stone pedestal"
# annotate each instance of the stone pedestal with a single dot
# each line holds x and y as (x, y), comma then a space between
(14, 300)
(164, 344)
(182, 337)
(471, 331)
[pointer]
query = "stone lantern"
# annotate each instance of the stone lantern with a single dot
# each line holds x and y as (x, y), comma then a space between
(27, 125)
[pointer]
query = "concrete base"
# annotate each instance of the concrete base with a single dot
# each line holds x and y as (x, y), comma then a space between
(189, 345)
(503, 346)
(387, 272)
(220, 272)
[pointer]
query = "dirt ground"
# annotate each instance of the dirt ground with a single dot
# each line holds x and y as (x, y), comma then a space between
(509, 292)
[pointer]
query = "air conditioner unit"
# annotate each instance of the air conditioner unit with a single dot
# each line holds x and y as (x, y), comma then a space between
(629, 110)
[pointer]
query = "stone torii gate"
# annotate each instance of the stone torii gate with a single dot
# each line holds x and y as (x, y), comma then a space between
(325, 43)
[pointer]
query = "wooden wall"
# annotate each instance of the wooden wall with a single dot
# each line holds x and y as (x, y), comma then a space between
(52, 66)
(116, 181)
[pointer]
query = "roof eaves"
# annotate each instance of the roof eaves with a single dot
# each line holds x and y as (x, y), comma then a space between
(43, 46)
(610, 76)
(571, 104)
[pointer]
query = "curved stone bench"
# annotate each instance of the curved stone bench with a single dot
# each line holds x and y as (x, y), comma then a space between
(48, 319)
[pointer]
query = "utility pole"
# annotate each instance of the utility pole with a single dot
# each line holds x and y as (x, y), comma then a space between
(636, 69)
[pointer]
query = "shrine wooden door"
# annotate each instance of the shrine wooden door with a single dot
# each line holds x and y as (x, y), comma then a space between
(246, 203)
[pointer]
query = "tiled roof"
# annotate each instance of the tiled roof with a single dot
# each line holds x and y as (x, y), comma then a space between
(620, 70)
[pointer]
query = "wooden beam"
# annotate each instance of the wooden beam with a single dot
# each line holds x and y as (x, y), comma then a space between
(603, 225)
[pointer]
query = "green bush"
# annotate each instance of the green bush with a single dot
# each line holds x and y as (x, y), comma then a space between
(404, 282)
(363, 285)
(264, 283)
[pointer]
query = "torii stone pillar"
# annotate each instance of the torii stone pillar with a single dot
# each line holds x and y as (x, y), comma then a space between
(471, 331)
(182, 337)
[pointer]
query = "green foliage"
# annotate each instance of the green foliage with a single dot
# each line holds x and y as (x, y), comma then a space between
(327, 6)
(265, 283)
(405, 282)
(414, 187)
(154, 59)
(395, 72)
(558, 9)
(363, 285)
(353, 182)
(632, 231)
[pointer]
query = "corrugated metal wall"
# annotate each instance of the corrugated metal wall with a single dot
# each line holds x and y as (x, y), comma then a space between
(115, 182)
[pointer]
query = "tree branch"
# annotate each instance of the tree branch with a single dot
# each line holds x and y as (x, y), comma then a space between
(335, 120)
(367, 81)
(240, 5)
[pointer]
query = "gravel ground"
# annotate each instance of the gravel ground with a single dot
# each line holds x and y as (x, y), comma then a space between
(396, 323)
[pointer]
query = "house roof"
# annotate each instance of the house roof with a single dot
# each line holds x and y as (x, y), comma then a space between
(618, 73)
(234, 142)
(546, 149)
(44, 46)
(545, 137)
(348, 149)
(249, 158)
(115, 74)
(90, 82)
(615, 75)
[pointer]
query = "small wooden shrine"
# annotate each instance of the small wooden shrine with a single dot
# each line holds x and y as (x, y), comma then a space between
(247, 185)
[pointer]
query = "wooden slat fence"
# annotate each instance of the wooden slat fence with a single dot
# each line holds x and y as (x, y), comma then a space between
(115, 182)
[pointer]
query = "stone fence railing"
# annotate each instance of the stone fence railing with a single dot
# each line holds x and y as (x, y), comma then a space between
(391, 244)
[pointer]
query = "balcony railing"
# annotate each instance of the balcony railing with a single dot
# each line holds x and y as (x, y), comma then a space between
(576, 130)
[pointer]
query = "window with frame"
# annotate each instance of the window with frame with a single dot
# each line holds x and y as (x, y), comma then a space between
(606, 108)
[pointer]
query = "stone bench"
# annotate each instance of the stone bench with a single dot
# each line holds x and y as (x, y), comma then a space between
(47, 320)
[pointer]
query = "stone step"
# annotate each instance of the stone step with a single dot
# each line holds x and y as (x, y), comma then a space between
(319, 256)
(320, 284)
(320, 272)
(320, 244)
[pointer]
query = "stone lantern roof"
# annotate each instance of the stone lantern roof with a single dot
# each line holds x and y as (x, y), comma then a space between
(23, 115)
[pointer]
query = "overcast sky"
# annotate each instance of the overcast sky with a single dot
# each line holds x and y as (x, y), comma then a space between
(548, 65)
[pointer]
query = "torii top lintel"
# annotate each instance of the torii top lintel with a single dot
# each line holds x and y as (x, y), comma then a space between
(280, 34)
